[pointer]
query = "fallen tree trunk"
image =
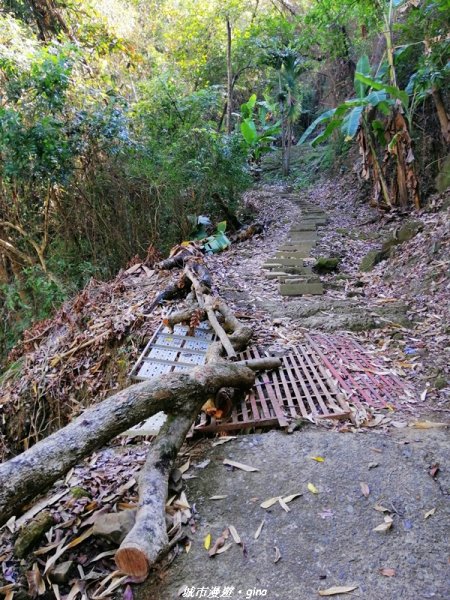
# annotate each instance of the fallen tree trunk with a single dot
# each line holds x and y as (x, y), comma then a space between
(148, 539)
(31, 473)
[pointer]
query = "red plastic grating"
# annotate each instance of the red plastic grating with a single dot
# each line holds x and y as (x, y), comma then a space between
(364, 379)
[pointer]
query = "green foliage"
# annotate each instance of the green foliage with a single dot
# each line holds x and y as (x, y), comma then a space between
(348, 115)
(259, 138)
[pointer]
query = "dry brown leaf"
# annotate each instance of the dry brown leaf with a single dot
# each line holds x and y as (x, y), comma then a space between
(218, 543)
(224, 440)
(80, 538)
(288, 499)
(384, 526)
(387, 572)
(339, 589)
(270, 502)
(234, 534)
(430, 513)
(224, 548)
(380, 508)
(283, 505)
(36, 585)
(277, 554)
(238, 465)
(186, 466)
(427, 425)
(365, 489)
(260, 528)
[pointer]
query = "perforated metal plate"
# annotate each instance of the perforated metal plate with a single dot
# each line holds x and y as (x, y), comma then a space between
(168, 351)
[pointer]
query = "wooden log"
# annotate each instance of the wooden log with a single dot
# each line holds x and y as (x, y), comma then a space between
(184, 316)
(179, 289)
(148, 539)
(224, 339)
(26, 476)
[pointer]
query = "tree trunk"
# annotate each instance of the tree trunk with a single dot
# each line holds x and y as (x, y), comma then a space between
(31, 473)
(442, 114)
(229, 79)
(148, 539)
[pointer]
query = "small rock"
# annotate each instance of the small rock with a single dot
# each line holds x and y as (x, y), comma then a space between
(371, 259)
(61, 573)
(115, 526)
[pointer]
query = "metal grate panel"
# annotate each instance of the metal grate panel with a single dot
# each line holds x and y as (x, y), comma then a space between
(167, 352)
(301, 388)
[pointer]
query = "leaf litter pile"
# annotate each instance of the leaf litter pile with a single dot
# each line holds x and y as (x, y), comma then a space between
(87, 350)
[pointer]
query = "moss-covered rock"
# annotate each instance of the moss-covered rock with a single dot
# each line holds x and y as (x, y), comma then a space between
(326, 265)
(371, 259)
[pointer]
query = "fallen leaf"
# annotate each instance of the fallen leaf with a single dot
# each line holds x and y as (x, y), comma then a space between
(128, 593)
(224, 440)
(387, 572)
(384, 526)
(218, 497)
(318, 458)
(373, 465)
(283, 505)
(312, 488)
(340, 589)
(234, 534)
(399, 424)
(288, 499)
(219, 543)
(36, 585)
(380, 508)
(224, 548)
(186, 466)
(270, 502)
(277, 554)
(237, 465)
(207, 541)
(80, 538)
(430, 513)
(203, 464)
(427, 425)
(260, 528)
(365, 489)
(434, 470)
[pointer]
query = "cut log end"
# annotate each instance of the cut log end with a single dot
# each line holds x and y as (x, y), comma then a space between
(132, 561)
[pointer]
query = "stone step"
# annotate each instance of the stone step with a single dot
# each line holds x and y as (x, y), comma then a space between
(304, 227)
(284, 275)
(299, 255)
(289, 262)
(308, 236)
(301, 288)
(295, 239)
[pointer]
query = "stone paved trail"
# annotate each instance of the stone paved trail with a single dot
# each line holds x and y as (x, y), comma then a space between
(290, 265)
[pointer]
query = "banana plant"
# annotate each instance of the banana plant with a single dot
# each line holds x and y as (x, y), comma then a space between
(348, 116)
(259, 138)
(357, 118)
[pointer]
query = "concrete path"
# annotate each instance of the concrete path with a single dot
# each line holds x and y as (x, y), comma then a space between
(327, 539)
(292, 254)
